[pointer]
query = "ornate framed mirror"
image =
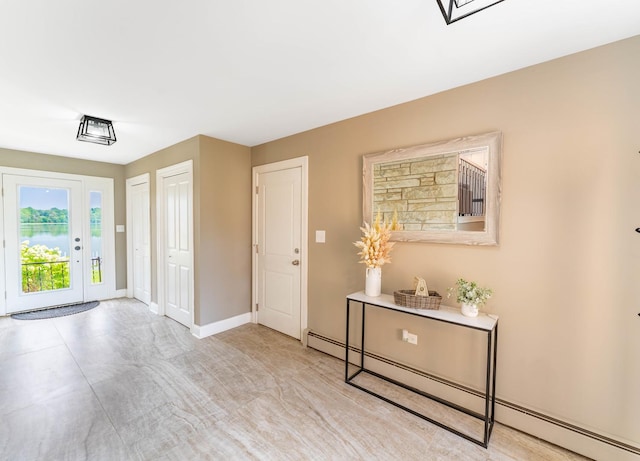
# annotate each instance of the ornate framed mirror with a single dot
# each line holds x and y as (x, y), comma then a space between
(443, 192)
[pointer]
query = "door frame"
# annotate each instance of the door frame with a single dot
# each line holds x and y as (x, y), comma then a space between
(130, 184)
(302, 163)
(161, 174)
(89, 183)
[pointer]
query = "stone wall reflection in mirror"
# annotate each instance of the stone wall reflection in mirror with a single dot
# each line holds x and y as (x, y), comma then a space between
(443, 192)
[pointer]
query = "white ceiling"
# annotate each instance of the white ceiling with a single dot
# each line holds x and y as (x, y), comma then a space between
(250, 71)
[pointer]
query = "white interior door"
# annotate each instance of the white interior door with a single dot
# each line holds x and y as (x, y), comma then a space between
(43, 242)
(178, 271)
(280, 250)
(141, 246)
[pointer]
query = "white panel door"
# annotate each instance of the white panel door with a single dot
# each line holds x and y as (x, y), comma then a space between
(178, 259)
(43, 242)
(141, 242)
(279, 250)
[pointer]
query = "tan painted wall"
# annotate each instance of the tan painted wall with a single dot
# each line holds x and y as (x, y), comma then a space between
(225, 230)
(34, 161)
(222, 222)
(565, 275)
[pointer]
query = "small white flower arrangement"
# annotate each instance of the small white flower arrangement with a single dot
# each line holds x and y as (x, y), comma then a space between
(470, 293)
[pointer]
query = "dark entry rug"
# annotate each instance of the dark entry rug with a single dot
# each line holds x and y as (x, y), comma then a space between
(60, 311)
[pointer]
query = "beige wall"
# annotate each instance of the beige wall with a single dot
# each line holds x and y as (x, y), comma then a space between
(565, 274)
(222, 223)
(225, 230)
(33, 161)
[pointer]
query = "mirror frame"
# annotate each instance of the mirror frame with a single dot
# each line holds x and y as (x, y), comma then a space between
(493, 141)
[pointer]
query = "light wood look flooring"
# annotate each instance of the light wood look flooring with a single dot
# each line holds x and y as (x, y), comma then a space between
(119, 383)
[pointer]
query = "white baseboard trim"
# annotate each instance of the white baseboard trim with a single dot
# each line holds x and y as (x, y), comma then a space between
(562, 433)
(154, 308)
(220, 326)
(121, 293)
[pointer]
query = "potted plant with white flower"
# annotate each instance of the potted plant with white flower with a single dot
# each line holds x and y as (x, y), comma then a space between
(470, 295)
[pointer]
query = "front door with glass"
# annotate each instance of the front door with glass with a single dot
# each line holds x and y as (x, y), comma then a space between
(43, 242)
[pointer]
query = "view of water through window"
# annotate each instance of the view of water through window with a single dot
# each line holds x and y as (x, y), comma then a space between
(45, 238)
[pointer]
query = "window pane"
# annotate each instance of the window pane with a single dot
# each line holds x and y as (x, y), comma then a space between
(44, 238)
(95, 199)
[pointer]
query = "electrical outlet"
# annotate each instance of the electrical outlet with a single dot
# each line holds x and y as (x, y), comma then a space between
(409, 337)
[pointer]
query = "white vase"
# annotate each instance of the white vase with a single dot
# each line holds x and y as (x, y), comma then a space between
(373, 283)
(469, 310)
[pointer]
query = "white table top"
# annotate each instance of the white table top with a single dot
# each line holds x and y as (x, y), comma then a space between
(445, 313)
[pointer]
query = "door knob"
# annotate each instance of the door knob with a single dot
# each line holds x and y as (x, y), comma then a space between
(295, 262)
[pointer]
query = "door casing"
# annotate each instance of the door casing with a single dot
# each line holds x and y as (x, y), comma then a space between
(302, 163)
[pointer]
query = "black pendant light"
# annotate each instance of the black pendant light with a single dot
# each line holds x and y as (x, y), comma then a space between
(96, 130)
(454, 10)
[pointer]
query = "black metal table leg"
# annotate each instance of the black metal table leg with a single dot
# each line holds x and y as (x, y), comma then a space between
(362, 339)
(495, 370)
(487, 401)
(346, 346)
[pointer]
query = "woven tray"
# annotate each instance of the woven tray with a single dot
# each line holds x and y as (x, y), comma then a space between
(407, 298)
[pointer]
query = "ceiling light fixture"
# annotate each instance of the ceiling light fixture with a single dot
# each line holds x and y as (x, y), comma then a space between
(96, 130)
(454, 10)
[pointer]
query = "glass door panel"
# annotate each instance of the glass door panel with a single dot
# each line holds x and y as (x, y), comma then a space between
(43, 242)
(96, 242)
(44, 238)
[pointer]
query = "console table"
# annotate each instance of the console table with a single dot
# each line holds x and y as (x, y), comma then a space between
(483, 323)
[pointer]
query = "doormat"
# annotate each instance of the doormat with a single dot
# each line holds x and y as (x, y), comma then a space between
(59, 311)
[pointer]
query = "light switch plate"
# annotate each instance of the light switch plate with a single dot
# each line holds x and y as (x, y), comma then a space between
(320, 236)
(119, 227)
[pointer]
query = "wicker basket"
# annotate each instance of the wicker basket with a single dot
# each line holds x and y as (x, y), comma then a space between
(407, 298)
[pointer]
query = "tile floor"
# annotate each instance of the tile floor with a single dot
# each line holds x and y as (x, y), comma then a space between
(119, 383)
